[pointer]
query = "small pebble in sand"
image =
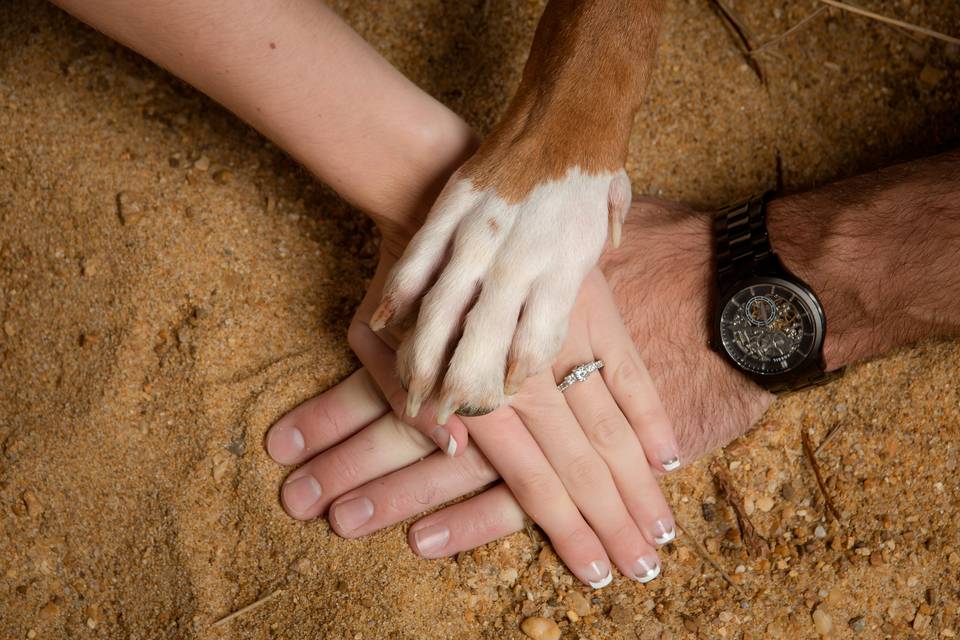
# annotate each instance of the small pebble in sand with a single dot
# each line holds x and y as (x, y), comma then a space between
(202, 163)
(30, 499)
(709, 511)
(509, 576)
(823, 622)
(858, 623)
(301, 566)
(50, 610)
(576, 601)
(129, 208)
(788, 492)
(621, 615)
(765, 503)
(820, 532)
(540, 628)
(223, 176)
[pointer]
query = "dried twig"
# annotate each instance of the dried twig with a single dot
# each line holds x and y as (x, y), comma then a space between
(738, 28)
(689, 539)
(250, 607)
(831, 434)
(786, 34)
(897, 23)
(811, 456)
(755, 543)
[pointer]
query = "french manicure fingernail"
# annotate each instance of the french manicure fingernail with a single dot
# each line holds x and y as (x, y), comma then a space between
(430, 541)
(598, 574)
(670, 463)
(301, 493)
(664, 532)
(646, 568)
(285, 444)
(445, 441)
(352, 514)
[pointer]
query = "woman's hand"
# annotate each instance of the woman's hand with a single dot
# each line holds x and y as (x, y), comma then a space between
(359, 450)
(571, 459)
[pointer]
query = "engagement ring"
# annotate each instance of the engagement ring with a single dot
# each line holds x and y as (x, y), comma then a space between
(579, 374)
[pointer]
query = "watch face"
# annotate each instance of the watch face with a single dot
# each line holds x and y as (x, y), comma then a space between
(771, 326)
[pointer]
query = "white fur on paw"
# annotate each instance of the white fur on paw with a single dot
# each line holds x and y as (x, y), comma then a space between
(522, 263)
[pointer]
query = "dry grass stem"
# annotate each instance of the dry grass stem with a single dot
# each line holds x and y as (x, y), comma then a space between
(755, 543)
(689, 539)
(741, 33)
(250, 607)
(897, 23)
(831, 435)
(786, 34)
(811, 456)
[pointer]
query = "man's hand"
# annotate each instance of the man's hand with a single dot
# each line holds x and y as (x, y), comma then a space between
(493, 274)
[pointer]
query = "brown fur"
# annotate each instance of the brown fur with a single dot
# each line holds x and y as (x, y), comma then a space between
(583, 82)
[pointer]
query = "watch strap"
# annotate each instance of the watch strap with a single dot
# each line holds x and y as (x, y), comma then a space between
(742, 243)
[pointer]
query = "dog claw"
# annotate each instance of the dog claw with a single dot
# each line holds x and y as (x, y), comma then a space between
(445, 411)
(383, 314)
(616, 233)
(515, 378)
(414, 400)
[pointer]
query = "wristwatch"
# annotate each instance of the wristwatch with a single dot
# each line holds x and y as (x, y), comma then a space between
(767, 322)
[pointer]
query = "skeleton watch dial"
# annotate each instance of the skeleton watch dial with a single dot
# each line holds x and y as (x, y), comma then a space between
(770, 326)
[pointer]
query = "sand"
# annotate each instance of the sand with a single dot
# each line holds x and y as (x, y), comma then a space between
(156, 317)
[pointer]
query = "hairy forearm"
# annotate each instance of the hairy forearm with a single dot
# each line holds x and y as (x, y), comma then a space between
(302, 77)
(882, 251)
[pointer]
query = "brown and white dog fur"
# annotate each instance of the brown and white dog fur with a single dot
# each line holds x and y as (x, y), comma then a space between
(496, 267)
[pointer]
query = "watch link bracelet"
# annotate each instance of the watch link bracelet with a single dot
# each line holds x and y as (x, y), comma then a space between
(767, 322)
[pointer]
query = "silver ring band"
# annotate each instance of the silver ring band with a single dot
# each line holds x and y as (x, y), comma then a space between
(579, 373)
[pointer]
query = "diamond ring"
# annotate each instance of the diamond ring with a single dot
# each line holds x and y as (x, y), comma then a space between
(580, 373)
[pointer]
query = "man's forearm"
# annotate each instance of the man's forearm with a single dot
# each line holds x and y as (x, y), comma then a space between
(882, 251)
(302, 77)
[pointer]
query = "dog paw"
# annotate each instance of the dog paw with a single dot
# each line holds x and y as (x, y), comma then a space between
(495, 281)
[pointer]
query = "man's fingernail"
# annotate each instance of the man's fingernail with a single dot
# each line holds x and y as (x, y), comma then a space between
(301, 493)
(598, 574)
(352, 514)
(430, 541)
(670, 462)
(664, 531)
(285, 444)
(646, 568)
(445, 441)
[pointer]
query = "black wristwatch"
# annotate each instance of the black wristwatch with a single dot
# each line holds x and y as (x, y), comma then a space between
(767, 322)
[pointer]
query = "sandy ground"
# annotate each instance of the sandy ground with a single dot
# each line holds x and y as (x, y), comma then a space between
(143, 355)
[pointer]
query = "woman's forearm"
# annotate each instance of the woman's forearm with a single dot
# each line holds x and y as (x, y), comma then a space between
(303, 78)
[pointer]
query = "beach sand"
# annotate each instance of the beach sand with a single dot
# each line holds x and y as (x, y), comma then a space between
(156, 317)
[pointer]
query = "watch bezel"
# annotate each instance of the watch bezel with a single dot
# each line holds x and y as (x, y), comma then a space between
(802, 291)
